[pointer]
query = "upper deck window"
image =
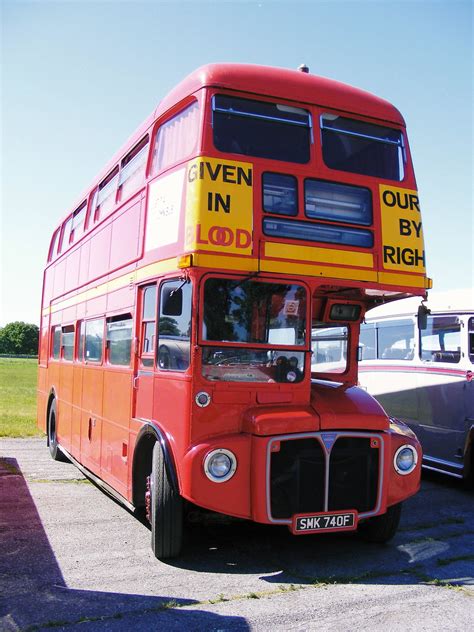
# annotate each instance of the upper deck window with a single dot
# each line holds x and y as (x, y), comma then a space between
(132, 170)
(54, 244)
(78, 219)
(176, 139)
(66, 236)
(261, 129)
(104, 197)
(365, 148)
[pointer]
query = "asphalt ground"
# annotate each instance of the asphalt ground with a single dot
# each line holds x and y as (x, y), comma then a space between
(71, 558)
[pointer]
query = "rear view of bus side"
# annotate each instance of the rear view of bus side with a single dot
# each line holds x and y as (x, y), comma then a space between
(254, 207)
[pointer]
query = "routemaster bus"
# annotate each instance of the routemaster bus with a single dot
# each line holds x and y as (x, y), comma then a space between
(421, 370)
(181, 290)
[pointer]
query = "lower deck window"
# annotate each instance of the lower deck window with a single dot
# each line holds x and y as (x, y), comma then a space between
(94, 335)
(119, 339)
(67, 343)
(56, 343)
(441, 340)
(329, 346)
(396, 340)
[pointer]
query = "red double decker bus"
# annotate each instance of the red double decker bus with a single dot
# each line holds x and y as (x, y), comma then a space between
(253, 208)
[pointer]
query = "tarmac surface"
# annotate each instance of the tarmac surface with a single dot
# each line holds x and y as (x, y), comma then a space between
(71, 558)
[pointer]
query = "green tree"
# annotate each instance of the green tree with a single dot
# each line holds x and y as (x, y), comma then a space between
(19, 338)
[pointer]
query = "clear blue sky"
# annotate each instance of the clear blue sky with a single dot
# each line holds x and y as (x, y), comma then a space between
(79, 77)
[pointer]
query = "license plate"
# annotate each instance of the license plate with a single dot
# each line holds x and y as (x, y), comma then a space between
(331, 521)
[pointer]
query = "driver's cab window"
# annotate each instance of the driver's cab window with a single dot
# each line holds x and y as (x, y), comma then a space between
(329, 346)
(147, 350)
(174, 326)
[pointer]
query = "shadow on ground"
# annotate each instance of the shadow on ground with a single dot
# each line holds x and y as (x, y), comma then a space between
(33, 592)
(434, 544)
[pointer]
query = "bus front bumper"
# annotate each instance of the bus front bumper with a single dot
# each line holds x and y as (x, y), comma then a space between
(281, 478)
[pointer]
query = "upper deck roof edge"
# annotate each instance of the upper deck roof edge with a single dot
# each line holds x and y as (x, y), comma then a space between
(284, 83)
(292, 85)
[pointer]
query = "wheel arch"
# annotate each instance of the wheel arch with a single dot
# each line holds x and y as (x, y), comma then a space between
(51, 398)
(149, 435)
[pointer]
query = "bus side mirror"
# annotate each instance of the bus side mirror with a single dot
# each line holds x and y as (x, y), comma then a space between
(172, 302)
(423, 312)
(360, 350)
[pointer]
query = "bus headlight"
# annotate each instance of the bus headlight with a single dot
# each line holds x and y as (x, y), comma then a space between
(220, 465)
(405, 459)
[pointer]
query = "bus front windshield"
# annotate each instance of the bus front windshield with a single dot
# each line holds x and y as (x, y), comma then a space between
(251, 313)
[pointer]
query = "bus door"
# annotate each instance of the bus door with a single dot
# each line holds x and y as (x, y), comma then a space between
(145, 356)
(91, 353)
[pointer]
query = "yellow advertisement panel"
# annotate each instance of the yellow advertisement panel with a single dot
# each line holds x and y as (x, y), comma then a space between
(402, 231)
(219, 206)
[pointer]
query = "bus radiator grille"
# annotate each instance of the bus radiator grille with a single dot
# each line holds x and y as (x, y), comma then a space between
(297, 476)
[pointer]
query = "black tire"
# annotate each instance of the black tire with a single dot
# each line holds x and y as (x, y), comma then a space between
(382, 528)
(166, 511)
(53, 444)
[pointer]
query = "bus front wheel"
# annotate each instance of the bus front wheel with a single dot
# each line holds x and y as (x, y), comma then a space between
(166, 510)
(382, 528)
(53, 444)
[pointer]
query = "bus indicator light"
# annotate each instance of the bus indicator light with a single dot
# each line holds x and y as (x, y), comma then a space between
(185, 261)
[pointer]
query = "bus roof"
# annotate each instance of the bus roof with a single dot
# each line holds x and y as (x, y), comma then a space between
(280, 83)
(284, 84)
(458, 301)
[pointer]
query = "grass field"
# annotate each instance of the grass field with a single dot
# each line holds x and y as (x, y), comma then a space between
(18, 397)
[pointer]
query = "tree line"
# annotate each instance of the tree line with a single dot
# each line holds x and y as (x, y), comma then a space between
(19, 338)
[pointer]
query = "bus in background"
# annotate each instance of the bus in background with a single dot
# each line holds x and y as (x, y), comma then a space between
(180, 291)
(420, 368)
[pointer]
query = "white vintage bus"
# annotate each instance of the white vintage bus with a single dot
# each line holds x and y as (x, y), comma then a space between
(420, 367)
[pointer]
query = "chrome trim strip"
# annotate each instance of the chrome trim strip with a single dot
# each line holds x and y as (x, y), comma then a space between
(360, 135)
(455, 466)
(318, 437)
(326, 472)
(436, 469)
(264, 117)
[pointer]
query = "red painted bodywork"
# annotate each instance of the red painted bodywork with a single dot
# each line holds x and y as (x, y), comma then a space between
(102, 408)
